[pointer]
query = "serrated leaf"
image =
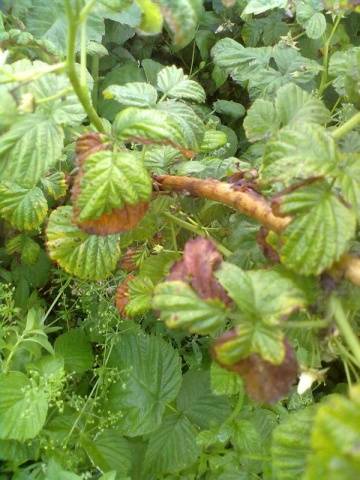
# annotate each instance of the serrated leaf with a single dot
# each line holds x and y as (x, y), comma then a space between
(23, 208)
(295, 105)
(136, 94)
(320, 232)
(23, 407)
(150, 378)
(54, 185)
(108, 451)
(261, 121)
(213, 140)
(75, 348)
(148, 126)
(108, 181)
(309, 16)
(197, 402)
(224, 382)
(335, 439)
(180, 307)
(290, 446)
(80, 254)
(172, 447)
(187, 121)
(25, 246)
(159, 158)
(172, 82)
(267, 295)
(141, 291)
(30, 148)
(284, 161)
(182, 17)
(260, 6)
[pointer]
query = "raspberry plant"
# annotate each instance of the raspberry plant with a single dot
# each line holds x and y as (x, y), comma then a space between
(180, 270)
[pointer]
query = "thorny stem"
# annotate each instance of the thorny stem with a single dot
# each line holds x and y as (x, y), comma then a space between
(249, 203)
(80, 90)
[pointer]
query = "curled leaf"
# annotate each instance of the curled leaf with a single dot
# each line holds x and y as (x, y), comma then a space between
(264, 381)
(200, 259)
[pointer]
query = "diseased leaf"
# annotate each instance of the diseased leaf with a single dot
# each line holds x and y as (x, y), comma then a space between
(151, 377)
(85, 256)
(182, 17)
(54, 185)
(107, 183)
(264, 381)
(23, 208)
(174, 83)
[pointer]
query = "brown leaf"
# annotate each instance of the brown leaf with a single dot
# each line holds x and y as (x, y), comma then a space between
(122, 295)
(127, 262)
(264, 381)
(200, 259)
(118, 220)
(88, 144)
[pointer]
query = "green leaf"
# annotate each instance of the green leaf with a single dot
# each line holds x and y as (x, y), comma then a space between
(335, 439)
(75, 348)
(146, 126)
(187, 121)
(261, 121)
(18, 452)
(224, 382)
(150, 378)
(140, 296)
(230, 108)
(26, 246)
(136, 94)
(284, 161)
(56, 472)
(111, 180)
(80, 254)
(320, 232)
(30, 148)
(180, 307)
(54, 185)
(309, 16)
(349, 180)
(23, 407)
(48, 22)
(23, 208)
(261, 6)
(108, 451)
(261, 294)
(182, 17)
(172, 82)
(295, 105)
(197, 402)
(151, 20)
(172, 447)
(291, 444)
(213, 139)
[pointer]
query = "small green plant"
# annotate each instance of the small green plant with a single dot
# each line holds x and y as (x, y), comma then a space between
(179, 257)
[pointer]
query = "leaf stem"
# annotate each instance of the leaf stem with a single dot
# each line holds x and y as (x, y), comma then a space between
(349, 125)
(80, 90)
(345, 328)
(324, 76)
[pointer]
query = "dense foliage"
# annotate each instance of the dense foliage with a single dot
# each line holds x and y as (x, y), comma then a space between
(179, 252)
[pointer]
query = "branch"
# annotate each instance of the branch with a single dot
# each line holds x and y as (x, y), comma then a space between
(249, 203)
